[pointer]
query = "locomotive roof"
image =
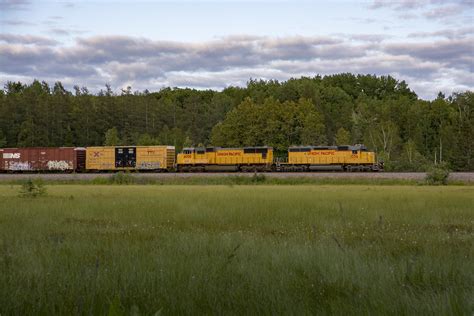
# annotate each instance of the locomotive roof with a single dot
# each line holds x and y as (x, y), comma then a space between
(341, 147)
(228, 148)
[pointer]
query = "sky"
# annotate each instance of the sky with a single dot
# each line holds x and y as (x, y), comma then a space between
(216, 44)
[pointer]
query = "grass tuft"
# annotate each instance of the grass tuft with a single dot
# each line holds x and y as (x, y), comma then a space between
(32, 188)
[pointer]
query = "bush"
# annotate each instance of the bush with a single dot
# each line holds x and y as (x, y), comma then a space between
(122, 178)
(32, 188)
(437, 174)
(404, 166)
(258, 178)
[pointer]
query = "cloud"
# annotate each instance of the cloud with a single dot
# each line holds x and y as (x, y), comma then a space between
(443, 10)
(149, 64)
(415, 4)
(456, 53)
(14, 5)
(368, 37)
(361, 20)
(23, 60)
(65, 31)
(27, 39)
(398, 5)
(16, 22)
(407, 16)
(59, 31)
(447, 33)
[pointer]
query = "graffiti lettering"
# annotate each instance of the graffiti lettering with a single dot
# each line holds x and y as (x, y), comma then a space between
(59, 165)
(149, 165)
(19, 166)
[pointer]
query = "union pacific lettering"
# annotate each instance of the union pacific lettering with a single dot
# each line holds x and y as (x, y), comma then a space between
(324, 153)
(230, 153)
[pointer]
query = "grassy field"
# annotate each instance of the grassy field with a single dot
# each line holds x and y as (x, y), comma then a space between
(305, 249)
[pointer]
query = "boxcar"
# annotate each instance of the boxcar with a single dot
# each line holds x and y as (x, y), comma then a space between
(116, 158)
(66, 159)
(348, 158)
(230, 159)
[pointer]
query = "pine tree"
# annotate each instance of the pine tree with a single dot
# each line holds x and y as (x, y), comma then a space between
(111, 137)
(343, 137)
(3, 139)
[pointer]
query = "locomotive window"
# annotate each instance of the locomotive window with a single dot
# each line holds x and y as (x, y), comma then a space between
(187, 152)
(299, 149)
(354, 152)
(261, 150)
(200, 151)
(249, 150)
(210, 149)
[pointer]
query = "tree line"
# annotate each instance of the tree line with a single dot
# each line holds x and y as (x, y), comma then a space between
(408, 133)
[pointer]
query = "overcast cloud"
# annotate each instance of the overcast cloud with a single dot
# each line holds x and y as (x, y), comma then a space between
(430, 60)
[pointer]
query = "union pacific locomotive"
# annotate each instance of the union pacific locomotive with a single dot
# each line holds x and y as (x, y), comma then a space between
(195, 159)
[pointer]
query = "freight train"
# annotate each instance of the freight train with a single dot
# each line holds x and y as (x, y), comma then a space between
(194, 159)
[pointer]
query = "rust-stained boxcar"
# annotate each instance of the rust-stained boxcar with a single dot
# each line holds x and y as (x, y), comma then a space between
(65, 159)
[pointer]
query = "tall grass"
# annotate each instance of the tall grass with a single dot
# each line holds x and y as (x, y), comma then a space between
(237, 249)
(259, 179)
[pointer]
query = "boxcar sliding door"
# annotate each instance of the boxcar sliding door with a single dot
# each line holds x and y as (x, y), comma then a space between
(125, 157)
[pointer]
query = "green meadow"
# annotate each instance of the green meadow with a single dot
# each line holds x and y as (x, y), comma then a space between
(231, 249)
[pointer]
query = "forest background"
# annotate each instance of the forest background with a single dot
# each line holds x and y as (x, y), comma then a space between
(406, 132)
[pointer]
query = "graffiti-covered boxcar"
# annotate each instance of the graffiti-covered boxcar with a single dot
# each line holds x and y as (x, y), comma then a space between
(66, 159)
(143, 158)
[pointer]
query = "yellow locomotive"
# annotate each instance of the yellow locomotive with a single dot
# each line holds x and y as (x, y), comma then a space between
(347, 158)
(300, 158)
(225, 159)
(115, 158)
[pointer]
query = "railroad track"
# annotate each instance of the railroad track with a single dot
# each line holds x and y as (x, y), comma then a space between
(456, 176)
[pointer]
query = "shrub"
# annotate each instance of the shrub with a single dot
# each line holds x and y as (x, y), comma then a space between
(258, 178)
(32, 188)
(404, 166)
(122, 178)
(437, 174)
